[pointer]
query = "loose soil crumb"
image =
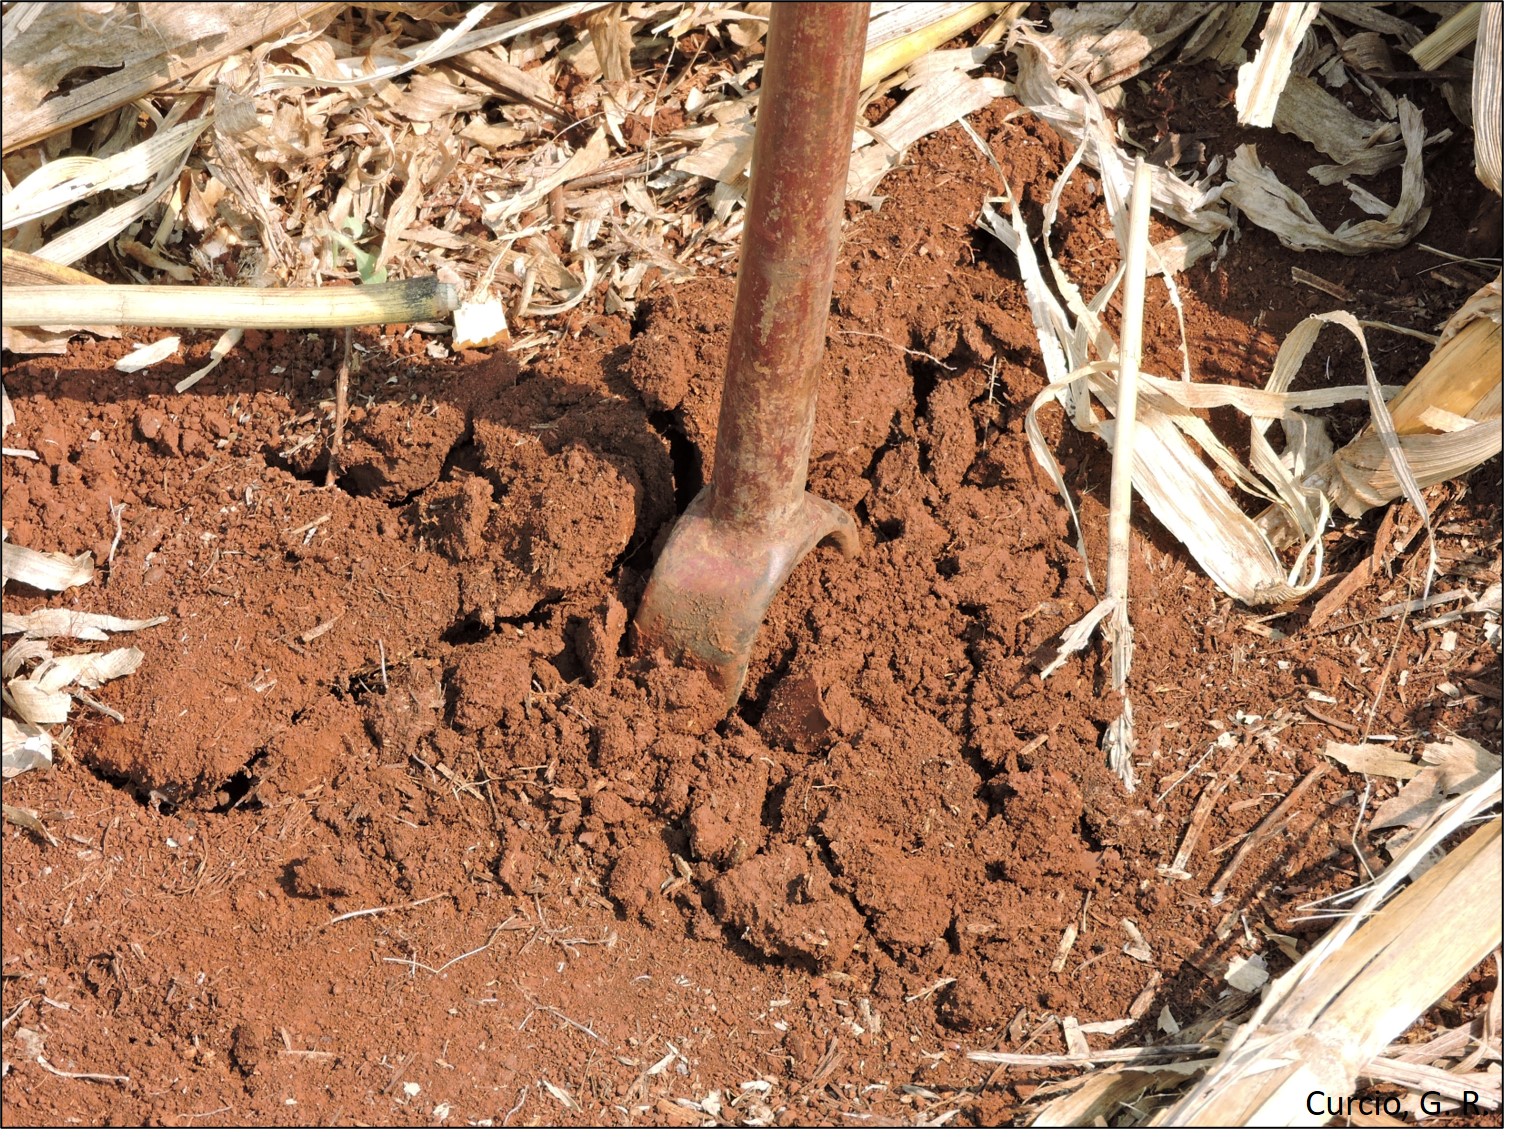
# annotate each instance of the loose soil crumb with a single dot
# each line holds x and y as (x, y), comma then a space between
(396, 831)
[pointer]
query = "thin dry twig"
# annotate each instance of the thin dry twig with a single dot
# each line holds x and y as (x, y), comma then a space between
(1273, 822)
(100, 1077)
(341, 407)
(384, 909)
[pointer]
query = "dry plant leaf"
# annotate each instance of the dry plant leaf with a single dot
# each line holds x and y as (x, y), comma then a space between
(1105, 44)
(136, 50)
(1459, 388)
(939, 101)
(1373, 760)
(1220, 37)
(585, 160)
(724, 157)
(1270, 203)
(151, 355)
(1489, 98)
(27, 747)
(98, 230)
(88, 671)
(1451, 767)
(51, 571)
(611, 35)
(36, 705)
(44, 696)
(1037, 86)
(1173, 480)
(1358, 147)
(1366, 980)
(60, 623)
(460, 38)
(1247, 975)
(70, 179)
(225, 343)
(431, 98)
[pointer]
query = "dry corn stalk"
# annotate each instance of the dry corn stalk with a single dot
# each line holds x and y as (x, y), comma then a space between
(1262, 78)
(1454, 34)
(1447, 419)
(1120, 732)
(1488, 98)
(269, 308)
(891, 55)
(1364, 982)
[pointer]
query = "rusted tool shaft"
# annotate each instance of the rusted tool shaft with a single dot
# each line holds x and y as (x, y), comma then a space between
(742, 535)
(789, 249)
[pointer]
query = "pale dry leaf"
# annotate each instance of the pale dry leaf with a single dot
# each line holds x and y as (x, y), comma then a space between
(225, 343)
(1489, 98)
(20, 652)
(36, 705)
(100, 229)
(1358, 147)
(724, 155)
(60, 623)
(584, 161)
(945, 97)
(1373, 760)
(1221, 40)
(1037, 86)
(1271, 204)
(50, 571)
(611, 35)
(1247, 975)
(27, 747)
(149, 356)
(1452, 767)
(88, 671)
(70, 179)
(1109, 46)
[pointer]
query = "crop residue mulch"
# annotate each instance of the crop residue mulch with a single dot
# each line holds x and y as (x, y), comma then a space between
(411, 693)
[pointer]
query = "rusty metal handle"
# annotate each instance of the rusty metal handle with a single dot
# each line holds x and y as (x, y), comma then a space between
(812, 66)
(737, 542)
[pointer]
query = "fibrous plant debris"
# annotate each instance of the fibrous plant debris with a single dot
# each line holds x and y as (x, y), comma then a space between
(558, 161)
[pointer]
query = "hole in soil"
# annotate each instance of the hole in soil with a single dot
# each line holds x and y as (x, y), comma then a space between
(166, 800)
(357, 686)
(830, 861)
(1088, 833)
(754, 702)
(465, 631)
(313, 473)
(236, 791)
(80, 77)
(924, 378)
(688, 472)
(773, 806)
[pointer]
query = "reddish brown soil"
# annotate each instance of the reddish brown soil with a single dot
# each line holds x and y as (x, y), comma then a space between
(602, 910)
